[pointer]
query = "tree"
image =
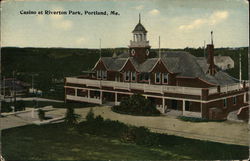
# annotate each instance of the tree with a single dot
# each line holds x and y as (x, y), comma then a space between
(41, 114)
(71, 117)
(137, 105)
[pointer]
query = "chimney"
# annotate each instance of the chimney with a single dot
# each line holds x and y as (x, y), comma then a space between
(210, 57)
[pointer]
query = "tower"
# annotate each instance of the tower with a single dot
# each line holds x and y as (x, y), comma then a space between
(139, 46)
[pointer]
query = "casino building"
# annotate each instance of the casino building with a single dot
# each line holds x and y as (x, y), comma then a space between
(176, 81)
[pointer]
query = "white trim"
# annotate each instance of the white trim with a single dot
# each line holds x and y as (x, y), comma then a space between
(124, 65)
(154, 66)
(154, 96)
(159, 78)
(132, 76)
(96, 64)
(100, 59)
(162, 77)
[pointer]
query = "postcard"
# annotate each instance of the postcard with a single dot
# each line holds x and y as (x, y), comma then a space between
(124, 80)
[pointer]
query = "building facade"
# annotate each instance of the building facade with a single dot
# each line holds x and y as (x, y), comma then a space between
(174, 80)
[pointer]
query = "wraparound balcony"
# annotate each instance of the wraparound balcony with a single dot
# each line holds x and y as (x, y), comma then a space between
(152, 88)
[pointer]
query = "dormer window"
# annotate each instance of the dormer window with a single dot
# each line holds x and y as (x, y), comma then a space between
(133, 76)
(157, 78)
(101, 74)
(104, 75)
(165, 78)
(127, 75)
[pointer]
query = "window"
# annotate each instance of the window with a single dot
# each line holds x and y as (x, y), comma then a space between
(224, 102)
(104, 74)
(157, 77)
(187, 106)
(165, 77)
(133, 76)
(99, 74)
(127, 76)
(234, 100)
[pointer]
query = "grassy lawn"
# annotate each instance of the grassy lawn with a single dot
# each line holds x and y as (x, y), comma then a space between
(57, 142)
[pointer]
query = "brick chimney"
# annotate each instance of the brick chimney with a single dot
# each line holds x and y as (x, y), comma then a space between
(210, 57)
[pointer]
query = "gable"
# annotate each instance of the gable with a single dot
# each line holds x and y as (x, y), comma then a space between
(100, 65)
(159, 67)
(128, 66)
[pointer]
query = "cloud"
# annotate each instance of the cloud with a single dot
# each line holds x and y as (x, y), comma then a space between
(140, 7)
(80, 40)
(154, 12)
(214, 18)
(59, 22)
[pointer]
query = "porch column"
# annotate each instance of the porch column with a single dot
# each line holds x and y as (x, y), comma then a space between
(115, 98)
(163, 105)
(101, 96)
(183, 107)
(88, 93)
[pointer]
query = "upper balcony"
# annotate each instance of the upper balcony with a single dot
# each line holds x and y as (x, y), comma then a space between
(153, 88)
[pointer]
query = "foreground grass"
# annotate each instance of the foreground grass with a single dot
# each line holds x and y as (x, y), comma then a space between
(57, 142)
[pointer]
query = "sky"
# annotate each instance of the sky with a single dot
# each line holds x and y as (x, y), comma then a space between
(179, 23)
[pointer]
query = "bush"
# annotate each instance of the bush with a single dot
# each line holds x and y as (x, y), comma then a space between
(195, 119)
(19, 105)
(41, 114)
(90, 116)
(140, 136)
(71, 117)
(136, 105)
(5, 107)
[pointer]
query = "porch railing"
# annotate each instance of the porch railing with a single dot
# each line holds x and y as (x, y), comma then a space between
(152, 88)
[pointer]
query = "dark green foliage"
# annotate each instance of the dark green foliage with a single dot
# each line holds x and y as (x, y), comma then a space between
(71, 117)
(41, 114)
(19, 105)
(90, 116)
(5, 107)
(195, 119)
(136, 105)
(57, 141)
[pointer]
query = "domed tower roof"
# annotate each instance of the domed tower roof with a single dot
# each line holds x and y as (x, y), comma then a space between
(139, 27)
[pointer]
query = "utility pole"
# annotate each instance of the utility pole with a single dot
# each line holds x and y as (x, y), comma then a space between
(240, 74)
(14, 87)
(100, 46)
(159, 47)
(204, 53)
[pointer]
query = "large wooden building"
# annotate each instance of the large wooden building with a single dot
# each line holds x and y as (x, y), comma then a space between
(175, 81)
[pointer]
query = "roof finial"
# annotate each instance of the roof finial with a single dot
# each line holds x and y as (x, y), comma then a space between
(212, 38)
(139, 18)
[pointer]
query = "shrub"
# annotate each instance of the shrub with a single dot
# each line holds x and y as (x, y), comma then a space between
(19, 105)
(5, 107)
(71, 117)
(136, 105)
(41, 114)
(90, 116)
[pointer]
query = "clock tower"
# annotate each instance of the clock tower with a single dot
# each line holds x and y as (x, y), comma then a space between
(139, 47)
